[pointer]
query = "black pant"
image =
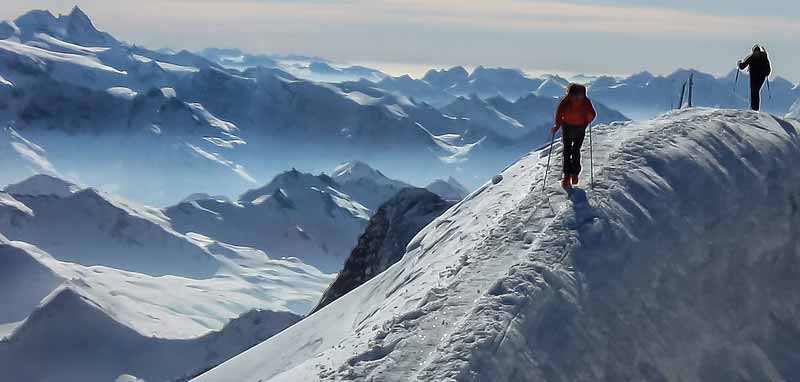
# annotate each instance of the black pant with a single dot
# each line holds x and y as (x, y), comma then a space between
(756, 82)
(572, 138)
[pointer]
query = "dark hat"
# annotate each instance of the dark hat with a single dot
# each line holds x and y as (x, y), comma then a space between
(576, 89)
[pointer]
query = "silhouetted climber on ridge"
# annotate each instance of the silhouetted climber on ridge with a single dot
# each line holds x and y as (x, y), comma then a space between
(575, 113)
(760, 68)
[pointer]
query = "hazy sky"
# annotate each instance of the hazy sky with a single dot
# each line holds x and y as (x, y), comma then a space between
(607, 36)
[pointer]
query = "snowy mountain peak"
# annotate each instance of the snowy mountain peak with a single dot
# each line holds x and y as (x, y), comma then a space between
(446, 78)
(366, 184)
(75, 27)
(289, 182)
(551, 88)
(355, 170)
(497, 73)
(642, 75)
(78, 17)
(43, 185)
(450, 189)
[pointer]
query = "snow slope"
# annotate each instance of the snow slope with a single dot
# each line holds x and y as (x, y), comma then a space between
(794, 112)
(384, 240)
(118, 282)
(140, 270)
(295, 215)
(680, 264)
(42, 185)
(479, 112)
(88, 228)
(26, 282)
(68, 321)
(366, 184)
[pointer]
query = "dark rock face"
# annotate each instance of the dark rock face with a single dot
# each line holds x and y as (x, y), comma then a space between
(384, 241)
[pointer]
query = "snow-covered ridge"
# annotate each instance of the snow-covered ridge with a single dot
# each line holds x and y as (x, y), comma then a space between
(42, 185)
(794, 112)
(108, 244)
(80, 269)
(384, 240)
(69, 320)
(295, 215)
(8, 201)
(678, 265)
(366, 184)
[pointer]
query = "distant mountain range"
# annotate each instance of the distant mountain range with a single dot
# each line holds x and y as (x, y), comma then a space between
(157, 125)
(80, 104)
(190, 285)
(79, 267)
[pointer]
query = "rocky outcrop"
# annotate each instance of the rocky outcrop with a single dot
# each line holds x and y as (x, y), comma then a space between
(385, 239)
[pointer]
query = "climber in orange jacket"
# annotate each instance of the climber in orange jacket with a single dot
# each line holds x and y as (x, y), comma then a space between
(575, 113)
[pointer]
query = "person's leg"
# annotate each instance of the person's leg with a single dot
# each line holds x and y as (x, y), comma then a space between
(577, 142)
(755, 92)
(566, 152)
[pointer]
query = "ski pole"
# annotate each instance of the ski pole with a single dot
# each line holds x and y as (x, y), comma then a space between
(769, 91)
(591, 161)
(547, 169)
(735, 83)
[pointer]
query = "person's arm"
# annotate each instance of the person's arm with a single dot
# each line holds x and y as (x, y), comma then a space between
(560, 114)
(591, 113)
(745, 63)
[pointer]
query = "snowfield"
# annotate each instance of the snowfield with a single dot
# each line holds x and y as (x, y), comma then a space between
(295, 215)
(795, 111)
(80, 269)
(680, 264)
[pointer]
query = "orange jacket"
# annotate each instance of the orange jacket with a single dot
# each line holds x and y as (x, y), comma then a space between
(574, 112)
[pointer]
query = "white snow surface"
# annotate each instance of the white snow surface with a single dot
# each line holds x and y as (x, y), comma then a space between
(43, 185)
(794, 112)
(43, 55)
(365, 184)
(121, 91)
(56, 44)
(357, 170)
(295, 215)
(5, 82)
(665, 269)
(131, 263)
(7, 200)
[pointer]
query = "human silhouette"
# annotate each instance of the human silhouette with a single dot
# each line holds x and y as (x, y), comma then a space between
(760, 68)
(575, 112)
